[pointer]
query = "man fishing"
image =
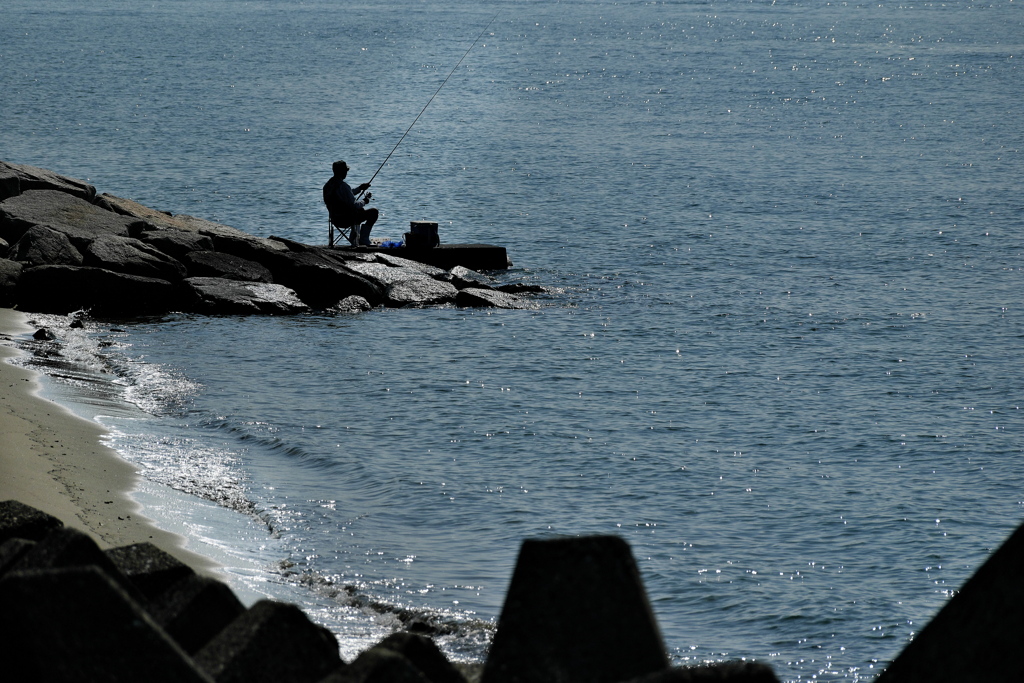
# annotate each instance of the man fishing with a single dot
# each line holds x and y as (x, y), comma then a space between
(345, 209)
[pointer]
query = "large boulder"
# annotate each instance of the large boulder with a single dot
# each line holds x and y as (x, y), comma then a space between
(217, 264)
(463, 277)
(173, 242)
(233, 297)
(321, 281)
(132, 256)
(10, 272)
(32, 178)
(44, 246)
(63, 289)
(75, 217)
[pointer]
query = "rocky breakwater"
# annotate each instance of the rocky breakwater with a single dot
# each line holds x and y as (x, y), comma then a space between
(65, 248)
(576, 612)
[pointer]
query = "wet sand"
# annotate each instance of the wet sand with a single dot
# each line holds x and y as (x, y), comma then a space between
(53, 460)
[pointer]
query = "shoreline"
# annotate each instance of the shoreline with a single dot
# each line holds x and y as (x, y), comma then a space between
(52, 459)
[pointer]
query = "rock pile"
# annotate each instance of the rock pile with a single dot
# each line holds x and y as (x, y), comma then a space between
(64, 248)
(576, 613)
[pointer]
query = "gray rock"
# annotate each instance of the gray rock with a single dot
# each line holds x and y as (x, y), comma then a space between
(131, 256)
(384, 274)
(351, 304)
(151, 570)
(423, 291)
(4, 247)
(969, 638)
(63, 289)
(10, 184)
(320, 280)
(258, 249)
(463, 277)
(194, 610)
(474, 297)
(271, 642)
(32, 178)
(10, 272)
(18, 520)
(75, 217)
(163, 219)
(76, 624)
(399, 262)
(217, 264)
(233, 297)
(175, 243)
(576, 611)
(44, 246)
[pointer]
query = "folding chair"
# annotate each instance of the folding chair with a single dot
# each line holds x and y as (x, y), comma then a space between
(336, 231)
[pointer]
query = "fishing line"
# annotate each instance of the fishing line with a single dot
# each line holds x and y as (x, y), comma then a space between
(434, 95)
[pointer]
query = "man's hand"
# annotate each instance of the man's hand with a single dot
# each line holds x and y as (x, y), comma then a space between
(363, 188)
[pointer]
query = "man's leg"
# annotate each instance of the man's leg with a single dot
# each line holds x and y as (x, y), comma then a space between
(370, 217)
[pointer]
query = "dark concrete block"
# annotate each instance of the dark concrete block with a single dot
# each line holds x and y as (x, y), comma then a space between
(69, 547)
(150, 569)
(724, 672)
(271, 642)
(195, 610)
(576, 610)
(378, 665)
(12, 550)
(424, 654)
(76, 624)
(18, 520)
(63, 289)
(974, 636)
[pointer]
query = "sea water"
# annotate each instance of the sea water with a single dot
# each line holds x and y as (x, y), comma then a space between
(779, 351)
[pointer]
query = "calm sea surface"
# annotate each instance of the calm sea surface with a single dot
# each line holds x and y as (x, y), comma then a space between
(782, 352)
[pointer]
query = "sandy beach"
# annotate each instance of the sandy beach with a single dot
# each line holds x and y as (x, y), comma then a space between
(53, 460)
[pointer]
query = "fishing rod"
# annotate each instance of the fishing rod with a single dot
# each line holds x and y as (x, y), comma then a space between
(433, 96)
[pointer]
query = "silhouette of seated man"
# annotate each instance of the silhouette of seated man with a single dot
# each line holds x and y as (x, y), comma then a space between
(344, 207)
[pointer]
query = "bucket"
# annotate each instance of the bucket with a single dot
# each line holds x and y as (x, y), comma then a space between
(422, 235)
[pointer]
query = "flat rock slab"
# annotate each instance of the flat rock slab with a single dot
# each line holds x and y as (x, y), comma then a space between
(472, 297)
(32, 178)
(576, 612)
(233, 297)
(75, 217)
(421, 291)
(163, 219)
(76, 624)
